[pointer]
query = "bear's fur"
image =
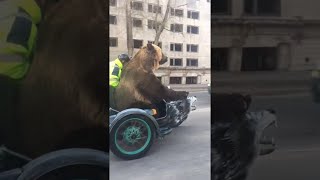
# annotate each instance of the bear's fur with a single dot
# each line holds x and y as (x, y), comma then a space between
(227, 129)
(235, 135)
(229, 106)
(62, 101)
(139, 87)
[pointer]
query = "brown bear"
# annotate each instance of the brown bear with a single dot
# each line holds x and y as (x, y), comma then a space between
(139, 87)
(62, 101)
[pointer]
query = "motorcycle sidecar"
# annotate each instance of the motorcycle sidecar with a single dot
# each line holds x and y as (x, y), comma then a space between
(133, 131)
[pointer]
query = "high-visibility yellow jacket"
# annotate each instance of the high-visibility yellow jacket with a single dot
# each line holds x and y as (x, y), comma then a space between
(115, 72)
(18, 30)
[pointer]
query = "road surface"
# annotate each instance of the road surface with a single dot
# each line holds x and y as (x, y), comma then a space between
(184, 154)
(298, 140)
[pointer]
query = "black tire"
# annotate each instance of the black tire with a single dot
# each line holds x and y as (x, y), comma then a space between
(175, 124)
(75, 172)
(117, 149)
(316, 93)
(68, 164)
(316, 98)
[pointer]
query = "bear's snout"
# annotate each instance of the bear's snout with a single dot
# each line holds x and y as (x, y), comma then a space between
(163, 60)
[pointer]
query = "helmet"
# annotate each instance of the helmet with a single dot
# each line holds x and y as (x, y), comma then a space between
(124, 57)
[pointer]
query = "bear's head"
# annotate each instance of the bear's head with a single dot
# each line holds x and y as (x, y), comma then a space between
(150, 57)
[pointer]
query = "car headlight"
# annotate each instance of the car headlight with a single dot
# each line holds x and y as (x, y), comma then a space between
(315, 74)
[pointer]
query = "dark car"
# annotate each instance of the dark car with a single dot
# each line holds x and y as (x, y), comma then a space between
(316, 85)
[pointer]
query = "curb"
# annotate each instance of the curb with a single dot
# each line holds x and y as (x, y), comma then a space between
(191, 90)
(252, 91)
(266, 91)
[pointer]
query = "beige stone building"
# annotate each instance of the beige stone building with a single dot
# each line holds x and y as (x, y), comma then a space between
(185, 40)
(251, 35)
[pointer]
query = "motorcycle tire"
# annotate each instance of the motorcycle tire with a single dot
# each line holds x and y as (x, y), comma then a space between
(132, 137)
(76, 163)
(76, 172)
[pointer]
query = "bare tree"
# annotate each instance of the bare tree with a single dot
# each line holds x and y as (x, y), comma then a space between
(161, 26)
(129, 28)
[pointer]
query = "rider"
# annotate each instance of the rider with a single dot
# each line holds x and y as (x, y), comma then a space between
(18, 30)
(115, 73)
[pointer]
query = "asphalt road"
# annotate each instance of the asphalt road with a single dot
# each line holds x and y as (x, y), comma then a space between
(298, 140)
(183, 154)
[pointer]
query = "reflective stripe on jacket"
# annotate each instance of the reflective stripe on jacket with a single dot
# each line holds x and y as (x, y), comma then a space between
(115, 72)
(18, 30)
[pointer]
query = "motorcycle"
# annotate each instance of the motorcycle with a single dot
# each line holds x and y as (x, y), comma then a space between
(133, 131)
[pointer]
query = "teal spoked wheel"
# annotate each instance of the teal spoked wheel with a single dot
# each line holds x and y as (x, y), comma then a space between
(132, 137)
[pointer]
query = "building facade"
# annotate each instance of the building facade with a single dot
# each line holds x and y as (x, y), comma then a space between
(257, 35)
(185, 40)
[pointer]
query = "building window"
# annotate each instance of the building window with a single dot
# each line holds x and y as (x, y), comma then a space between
(192, 62)
(112, 19)
(137, 22)
(192, 48)
(221, 7)
(191, 80)
(262, 7)
(113, 2)
(154, 8)
(159, 43)
(176, 47)
(137, 5)
(193, 14)
(113, 42)
(175, 80)
(160, 79)
(152, 24)
(176, 12)
(137, 43)
(175, 62)
(176, 27)
(192, 30)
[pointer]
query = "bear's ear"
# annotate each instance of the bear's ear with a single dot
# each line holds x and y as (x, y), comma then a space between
(150, 46)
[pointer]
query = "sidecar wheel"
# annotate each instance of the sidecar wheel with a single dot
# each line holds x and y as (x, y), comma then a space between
(132, 137)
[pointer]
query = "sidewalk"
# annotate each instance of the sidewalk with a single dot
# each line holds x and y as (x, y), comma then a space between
(189, 87)
(256, 83)
(263, 83)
